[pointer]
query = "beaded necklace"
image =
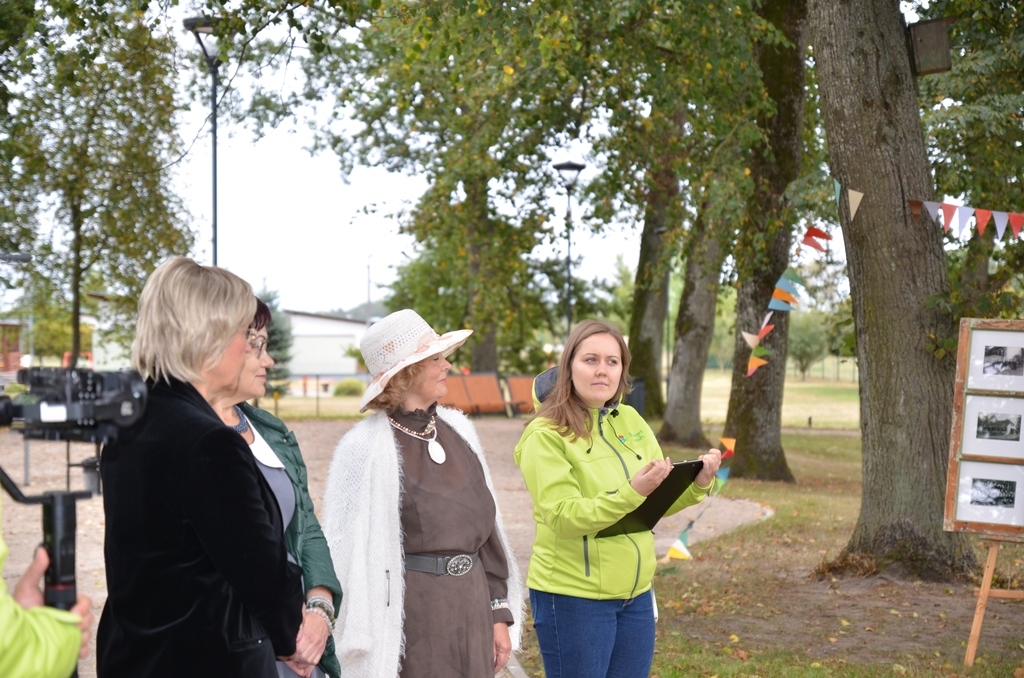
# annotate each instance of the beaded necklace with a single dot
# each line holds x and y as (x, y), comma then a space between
(429, 434)
(243, 424)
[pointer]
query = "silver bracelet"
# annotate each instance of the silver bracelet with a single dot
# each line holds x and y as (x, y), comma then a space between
(327, 618)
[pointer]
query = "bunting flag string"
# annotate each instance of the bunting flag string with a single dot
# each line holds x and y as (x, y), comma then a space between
(680, 549)
(946, 213)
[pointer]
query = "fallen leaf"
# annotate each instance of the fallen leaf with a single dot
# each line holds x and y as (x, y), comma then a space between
(832, 640)
(844, 622)
(733, 638)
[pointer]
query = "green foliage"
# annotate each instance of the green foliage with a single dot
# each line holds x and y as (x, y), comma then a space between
(974, 117)
(808, 340)
(279, 342)
(90, 140)
(350, 387)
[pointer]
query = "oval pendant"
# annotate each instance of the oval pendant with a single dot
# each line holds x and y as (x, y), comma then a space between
(436, 452)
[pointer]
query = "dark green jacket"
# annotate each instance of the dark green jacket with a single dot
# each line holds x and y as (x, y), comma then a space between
(303, 537)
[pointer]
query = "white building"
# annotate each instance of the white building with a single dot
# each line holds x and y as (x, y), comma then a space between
(319, 347)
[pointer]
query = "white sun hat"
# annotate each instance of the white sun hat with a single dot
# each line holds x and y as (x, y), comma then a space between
(397, 341)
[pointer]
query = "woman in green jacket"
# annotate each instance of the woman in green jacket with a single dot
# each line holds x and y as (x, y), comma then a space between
(280, 461)
(588, 460)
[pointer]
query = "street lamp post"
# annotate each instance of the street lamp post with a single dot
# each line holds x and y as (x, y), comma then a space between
(203, 26)
(570, 172)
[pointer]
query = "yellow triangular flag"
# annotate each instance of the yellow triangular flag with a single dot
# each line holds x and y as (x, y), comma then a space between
(855, 198)
(679, 551)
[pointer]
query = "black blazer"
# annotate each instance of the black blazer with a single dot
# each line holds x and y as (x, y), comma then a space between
(197, 574)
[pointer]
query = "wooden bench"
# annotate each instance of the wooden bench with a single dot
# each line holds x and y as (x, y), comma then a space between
(457, 396)
(478, 393)
(520, 391)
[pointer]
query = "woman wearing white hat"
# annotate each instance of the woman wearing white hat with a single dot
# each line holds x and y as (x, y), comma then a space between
(431, 585)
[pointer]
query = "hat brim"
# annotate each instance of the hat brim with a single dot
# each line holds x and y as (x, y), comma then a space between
(446, 344)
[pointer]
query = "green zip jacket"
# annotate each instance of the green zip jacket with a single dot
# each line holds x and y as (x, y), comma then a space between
(578, 489)
(303, 537)
(41, 642)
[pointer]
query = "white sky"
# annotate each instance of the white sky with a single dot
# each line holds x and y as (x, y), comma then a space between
(289, 219)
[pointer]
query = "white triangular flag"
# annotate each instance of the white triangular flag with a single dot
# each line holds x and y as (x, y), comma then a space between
(933, 209)
(1000, 219)
(855, 198)
(964, 214)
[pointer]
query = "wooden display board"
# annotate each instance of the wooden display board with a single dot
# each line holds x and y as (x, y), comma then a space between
(985, 483)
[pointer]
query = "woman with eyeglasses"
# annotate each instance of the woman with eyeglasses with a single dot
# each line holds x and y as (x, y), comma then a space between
(198, 577)
(280, 461)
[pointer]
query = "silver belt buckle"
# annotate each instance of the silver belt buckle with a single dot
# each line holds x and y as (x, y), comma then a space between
(459, 565)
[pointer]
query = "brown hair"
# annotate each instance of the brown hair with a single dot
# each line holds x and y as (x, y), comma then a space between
(399, 386)
(563, 406)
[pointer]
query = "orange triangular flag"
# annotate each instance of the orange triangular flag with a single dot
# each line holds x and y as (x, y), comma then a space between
(754, 363)
(982, 217)
(948, 211)
(817, 233)
(729, 443)
(764, 332)
(783, 295)
(1016, 221)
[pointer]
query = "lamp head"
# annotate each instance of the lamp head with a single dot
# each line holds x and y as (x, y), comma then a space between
(570, 171)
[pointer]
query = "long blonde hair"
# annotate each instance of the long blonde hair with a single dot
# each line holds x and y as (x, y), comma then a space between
(563, 406)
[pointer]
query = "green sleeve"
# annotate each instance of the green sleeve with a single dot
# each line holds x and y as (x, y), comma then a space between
(558, 501)
(41, 642)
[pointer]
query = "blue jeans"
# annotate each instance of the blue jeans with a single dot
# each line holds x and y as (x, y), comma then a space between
(583, 638)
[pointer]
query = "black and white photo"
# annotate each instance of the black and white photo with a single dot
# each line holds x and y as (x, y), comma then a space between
(988, 492)
(1004, 360)
(998, 426)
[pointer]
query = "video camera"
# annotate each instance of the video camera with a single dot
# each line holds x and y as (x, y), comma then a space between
(75, 405)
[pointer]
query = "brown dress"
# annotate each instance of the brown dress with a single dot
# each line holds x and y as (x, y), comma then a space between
(446, 510)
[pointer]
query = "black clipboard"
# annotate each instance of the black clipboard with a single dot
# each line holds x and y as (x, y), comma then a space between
(645, 516)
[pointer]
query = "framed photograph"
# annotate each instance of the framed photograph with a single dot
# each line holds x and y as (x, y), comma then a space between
(992, 427)
(985, 480)
(991, 493)
(996, 360)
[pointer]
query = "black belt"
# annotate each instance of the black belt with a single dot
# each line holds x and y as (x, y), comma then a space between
(455, 566)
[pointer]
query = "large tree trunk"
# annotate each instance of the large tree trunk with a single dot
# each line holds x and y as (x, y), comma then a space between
(876, 146)
(650, 293)
(479, 227)
(695, 325)
(755, 406)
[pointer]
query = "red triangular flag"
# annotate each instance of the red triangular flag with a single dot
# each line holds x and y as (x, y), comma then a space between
(947, 215)
(764, 331)
(1016, 221)
(727, 454)
(818, 233)
(982, 217)
(811, 242)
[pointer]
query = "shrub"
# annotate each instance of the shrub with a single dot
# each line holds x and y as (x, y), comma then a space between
(349, 387)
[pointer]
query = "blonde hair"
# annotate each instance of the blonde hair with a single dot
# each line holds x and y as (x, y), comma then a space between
(563, 406)
(401, 383)
(188, 315)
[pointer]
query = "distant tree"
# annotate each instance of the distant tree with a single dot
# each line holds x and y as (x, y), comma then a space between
(279, 342)
(96, 131)
(808, 340)
(722, 344)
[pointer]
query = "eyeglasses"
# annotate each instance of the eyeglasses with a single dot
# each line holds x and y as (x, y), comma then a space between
(258, 343)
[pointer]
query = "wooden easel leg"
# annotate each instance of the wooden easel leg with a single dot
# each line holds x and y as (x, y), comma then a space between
(979, 610)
